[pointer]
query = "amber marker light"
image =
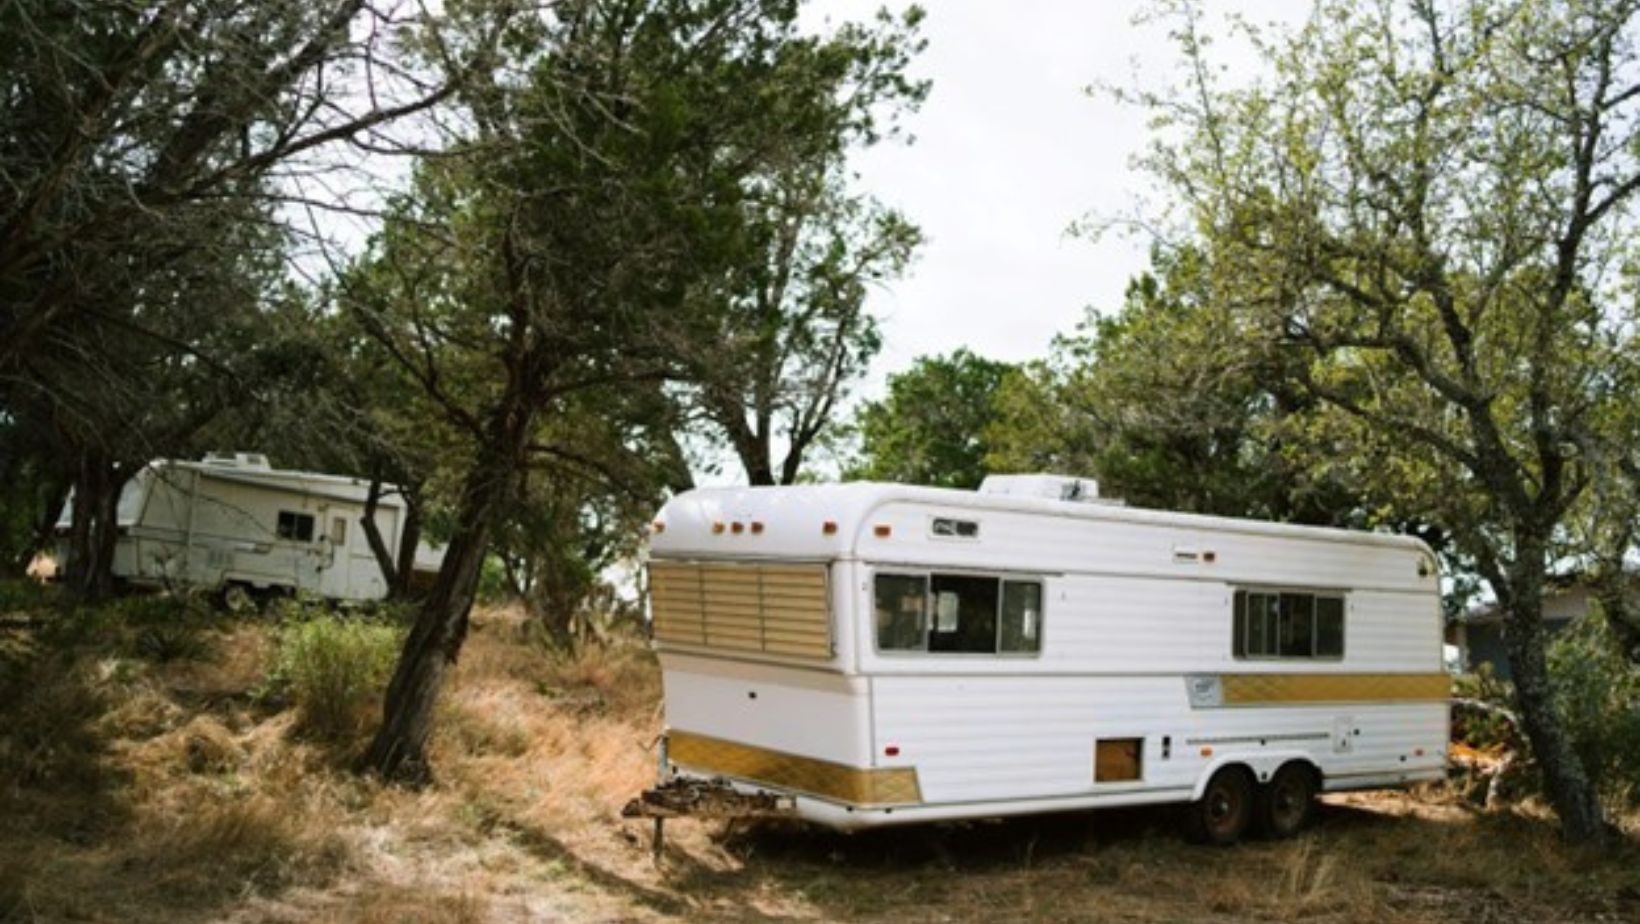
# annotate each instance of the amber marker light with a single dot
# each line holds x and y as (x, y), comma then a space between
(717, 527)
(883, 530)
(829, 527)
(658, 526)
(757, 528)
(737, 528)
(1207, 752)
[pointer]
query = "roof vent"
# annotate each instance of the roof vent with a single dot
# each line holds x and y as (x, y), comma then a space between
(243, 460)
(1043, 485)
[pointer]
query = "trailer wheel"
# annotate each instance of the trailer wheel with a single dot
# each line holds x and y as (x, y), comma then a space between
(1286, 804)
(1224, 811)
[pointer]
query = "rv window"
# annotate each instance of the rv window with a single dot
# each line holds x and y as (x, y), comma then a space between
(1329, 627)
(1268, 624)
(901, 602)
(973, 611)
(297, 526)
(1021, 617)
(961, 529)
(338, 530)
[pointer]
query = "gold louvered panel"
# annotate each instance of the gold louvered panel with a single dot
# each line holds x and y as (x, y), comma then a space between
(776, 609)
(675, 592)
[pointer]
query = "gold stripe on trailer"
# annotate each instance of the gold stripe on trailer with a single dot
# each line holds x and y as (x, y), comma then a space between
(1270, 689)
(853, 785)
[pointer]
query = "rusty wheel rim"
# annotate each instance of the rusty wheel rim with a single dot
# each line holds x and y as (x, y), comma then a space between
(1225, 808)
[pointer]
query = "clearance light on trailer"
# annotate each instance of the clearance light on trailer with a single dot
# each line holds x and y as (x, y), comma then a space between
(737, 527)
(892, 750)
(658, 526)
(829, 527)
(757, 528)
(1207, 752)
(883, 530)
(717, 527)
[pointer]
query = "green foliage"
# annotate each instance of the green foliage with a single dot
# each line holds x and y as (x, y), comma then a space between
(1405, 224)
(1483, 730)
(935, 424)
(1167, 405)
(22, 595)
(1596, 691)
(332, 669)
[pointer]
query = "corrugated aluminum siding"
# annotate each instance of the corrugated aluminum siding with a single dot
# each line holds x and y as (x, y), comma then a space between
(776, 609)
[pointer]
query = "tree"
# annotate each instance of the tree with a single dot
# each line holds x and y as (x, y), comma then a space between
(788, 331)
(147, 151)
(1424, 212)
(553, 252)
(1167, 406)
(934, 426)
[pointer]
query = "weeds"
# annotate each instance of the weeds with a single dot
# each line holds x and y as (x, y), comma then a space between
(333, 670)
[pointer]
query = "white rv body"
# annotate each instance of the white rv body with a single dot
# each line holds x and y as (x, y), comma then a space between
(767, 618)
(233, 519)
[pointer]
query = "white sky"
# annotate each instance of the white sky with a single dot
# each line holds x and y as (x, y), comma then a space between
(1009, 151)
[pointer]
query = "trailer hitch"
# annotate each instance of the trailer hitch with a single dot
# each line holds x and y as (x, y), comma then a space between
(683, 797)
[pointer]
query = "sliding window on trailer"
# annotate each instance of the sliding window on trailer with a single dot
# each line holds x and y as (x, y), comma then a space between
(1288, 624)
(944, 613)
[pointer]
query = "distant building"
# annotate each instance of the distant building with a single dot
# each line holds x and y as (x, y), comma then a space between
(1478, 633)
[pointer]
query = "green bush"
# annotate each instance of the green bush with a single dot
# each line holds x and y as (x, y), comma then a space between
(332, 668)
(22, 595)
(1597, 693)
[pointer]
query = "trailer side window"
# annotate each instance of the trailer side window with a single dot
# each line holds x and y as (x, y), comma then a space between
(965, 614)
(297, 526)
(1021, 628)
(901, 602)
(1274, 624)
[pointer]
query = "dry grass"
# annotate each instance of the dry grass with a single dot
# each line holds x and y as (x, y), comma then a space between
(147, 790)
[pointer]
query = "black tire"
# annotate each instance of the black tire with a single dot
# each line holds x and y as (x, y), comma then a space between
(1286, 804)
(1224, 811)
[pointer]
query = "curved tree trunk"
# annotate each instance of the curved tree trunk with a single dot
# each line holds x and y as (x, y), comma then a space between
(399, 750)
(1567, 781)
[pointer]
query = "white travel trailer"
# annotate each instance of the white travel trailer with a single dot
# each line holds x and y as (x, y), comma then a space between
(872, 654)
(232, 519)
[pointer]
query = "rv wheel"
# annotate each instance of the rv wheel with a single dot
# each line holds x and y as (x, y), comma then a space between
(1286, 803)
(1225, 809)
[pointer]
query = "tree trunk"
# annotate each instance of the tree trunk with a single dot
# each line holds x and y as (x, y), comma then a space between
(399, 750)
(1564, 777)
(373, 536)
(94, 529)
(409, 539)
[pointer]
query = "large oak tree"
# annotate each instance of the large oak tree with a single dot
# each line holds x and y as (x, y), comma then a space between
(1425, 211)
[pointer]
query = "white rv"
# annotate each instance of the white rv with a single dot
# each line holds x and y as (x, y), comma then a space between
(233, 519)
(875, 654)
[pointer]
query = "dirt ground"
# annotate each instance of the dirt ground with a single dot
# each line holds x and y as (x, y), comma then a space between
(136, 789)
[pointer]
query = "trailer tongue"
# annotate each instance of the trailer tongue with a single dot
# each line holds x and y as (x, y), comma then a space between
(682, 797)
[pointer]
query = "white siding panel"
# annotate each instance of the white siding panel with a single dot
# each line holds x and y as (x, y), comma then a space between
(789, 711)
(974, 739)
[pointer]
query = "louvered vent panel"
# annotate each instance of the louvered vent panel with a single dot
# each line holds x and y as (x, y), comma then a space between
(774, 609)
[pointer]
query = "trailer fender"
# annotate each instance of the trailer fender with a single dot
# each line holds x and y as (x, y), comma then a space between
(1263, 766)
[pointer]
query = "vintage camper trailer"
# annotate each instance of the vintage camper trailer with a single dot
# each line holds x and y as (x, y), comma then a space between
(232, 519)
(873, 654)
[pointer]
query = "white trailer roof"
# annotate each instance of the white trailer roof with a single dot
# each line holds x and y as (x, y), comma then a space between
(791, 522)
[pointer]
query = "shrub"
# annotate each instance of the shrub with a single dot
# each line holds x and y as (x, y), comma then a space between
(24, 595)
(1597, 693)
(332, 669)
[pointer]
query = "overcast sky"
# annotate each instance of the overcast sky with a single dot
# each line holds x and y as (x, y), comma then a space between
(1010, 150)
